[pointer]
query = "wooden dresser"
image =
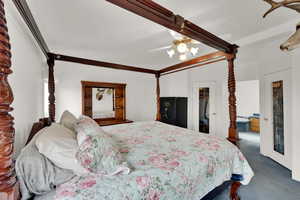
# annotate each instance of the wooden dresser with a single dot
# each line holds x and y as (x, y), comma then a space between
(110, 122)
(254, 124)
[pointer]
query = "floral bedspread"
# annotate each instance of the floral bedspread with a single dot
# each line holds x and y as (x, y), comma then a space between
(167, 162)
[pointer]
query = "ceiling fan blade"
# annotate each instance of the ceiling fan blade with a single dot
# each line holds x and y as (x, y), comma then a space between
(160, 48)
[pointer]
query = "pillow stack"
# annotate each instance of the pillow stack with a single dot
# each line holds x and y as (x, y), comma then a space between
(82, 146)
(98, 153)
(58, 143)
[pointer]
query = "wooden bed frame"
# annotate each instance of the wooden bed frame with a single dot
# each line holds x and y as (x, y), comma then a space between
(9, 188)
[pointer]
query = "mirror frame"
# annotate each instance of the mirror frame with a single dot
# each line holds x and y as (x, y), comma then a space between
(119, 99)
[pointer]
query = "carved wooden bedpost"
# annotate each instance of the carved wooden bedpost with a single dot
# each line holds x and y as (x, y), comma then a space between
(51, 87)
(234, 190)
(232, 133)
(9, 189)
(158, 115)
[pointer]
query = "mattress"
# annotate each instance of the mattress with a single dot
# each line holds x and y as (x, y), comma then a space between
(167, 162)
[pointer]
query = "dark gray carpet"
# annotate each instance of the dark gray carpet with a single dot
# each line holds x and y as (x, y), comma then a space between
(271, 180)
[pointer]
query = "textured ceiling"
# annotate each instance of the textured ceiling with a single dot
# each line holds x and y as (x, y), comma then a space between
(99, 30)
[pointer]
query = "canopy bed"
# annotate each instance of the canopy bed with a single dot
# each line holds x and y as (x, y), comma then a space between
(9, 187)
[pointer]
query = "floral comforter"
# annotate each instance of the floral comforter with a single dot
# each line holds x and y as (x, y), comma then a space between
(167, 162)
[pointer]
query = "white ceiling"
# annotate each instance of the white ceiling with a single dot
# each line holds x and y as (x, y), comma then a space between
(99, 30)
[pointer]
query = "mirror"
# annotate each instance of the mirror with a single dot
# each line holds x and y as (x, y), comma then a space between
(103, 101)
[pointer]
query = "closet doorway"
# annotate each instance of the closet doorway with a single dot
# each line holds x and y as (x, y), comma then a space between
(204, 113)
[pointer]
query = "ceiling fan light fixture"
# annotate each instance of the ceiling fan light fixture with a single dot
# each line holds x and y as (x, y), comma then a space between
(171, 53)
(182, 57)
(194, 50)
(182, 48)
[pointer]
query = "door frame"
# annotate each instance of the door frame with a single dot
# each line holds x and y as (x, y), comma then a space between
(267, 141)
(212, 103)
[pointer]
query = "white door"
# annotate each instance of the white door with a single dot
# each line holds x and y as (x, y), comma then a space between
(204, 108)
(276, 118)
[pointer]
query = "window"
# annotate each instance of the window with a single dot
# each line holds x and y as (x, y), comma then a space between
(278, 116)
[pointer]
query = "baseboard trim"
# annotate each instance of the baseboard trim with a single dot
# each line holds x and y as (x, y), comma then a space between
(296, 176)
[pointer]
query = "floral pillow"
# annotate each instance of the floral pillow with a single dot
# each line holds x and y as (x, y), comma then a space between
(98, 153)
(86, 126)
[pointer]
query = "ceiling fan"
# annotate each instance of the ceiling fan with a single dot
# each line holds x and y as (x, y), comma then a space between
(182, 47)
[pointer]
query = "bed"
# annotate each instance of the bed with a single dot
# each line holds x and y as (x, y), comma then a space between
(168, 162)
(9, 185)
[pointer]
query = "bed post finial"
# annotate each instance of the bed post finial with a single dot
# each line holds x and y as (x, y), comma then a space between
(158, 115)
(232, 133)
(234, 190)
(51, 87)
(9, 188)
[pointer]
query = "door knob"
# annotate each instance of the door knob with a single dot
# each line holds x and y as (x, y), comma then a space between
(266, 119)
(214, 113)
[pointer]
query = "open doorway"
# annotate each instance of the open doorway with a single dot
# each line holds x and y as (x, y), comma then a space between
(248, 111)
(204, 110)
(204, 113)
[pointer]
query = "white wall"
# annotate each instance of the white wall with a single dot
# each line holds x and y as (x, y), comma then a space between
(247, 93)
(140, 90)
(26, 80)
(175, 84)
(295, 114)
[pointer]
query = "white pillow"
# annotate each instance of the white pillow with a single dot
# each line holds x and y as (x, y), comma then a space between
(59, 145)
(68, 120)
(86, 126)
